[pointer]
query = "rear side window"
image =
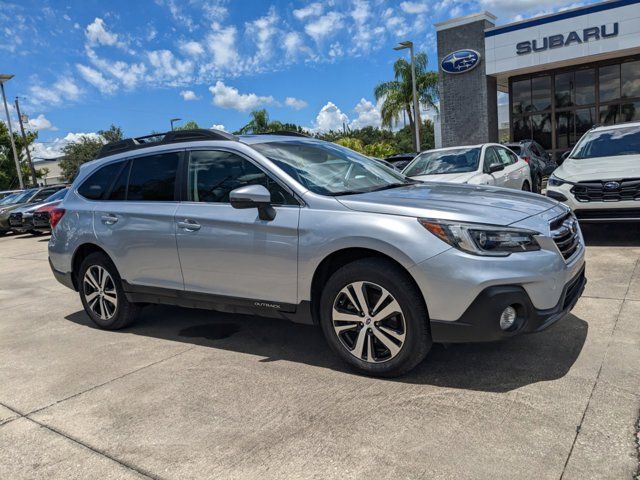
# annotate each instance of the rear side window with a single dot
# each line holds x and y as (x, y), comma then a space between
(94, 187)
(506, 157)
(153, 178)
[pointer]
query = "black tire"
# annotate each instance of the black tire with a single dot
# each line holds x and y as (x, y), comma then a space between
(35, 233)
(526, 187)
(125, 312)
(389, 276)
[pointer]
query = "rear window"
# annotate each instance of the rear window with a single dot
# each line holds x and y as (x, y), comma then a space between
(94, 187)
(59, 195)
(608, 143)
(153, 178)
(515, 149)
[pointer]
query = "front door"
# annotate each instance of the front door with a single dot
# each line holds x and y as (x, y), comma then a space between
(231, 252)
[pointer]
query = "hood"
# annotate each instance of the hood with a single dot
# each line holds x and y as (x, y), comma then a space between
(602, 168)
(449, 201)
(447, 177)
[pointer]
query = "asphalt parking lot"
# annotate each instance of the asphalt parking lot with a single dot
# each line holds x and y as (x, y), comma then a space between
(196, 394)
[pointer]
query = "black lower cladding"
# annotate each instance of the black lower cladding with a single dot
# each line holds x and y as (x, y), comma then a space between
(64, 278)
(480, 322)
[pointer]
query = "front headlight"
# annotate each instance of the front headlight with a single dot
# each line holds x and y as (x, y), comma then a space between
(479, 239)
(556, 181)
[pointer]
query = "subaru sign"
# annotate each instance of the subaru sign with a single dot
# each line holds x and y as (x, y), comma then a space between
(460, 61)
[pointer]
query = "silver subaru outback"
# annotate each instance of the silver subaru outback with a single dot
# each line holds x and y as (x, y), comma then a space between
(293, 227)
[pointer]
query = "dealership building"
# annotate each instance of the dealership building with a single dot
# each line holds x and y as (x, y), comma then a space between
(563, 73)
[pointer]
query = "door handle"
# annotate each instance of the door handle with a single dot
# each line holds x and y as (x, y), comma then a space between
(189, 225)
(109, 219)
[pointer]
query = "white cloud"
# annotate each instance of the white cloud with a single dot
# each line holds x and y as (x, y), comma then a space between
(510, 10)
(218, 126)
(129, 74)
(40, 123)
(293, 45)
(95, 78)
(167, 66)
(53, 149)
(324, 26)
(330, 117)
(368, 114)
(221, 44)
(97, 34)
(192, 48)
(263, 30)
(295, 103)
(64, 89)
(414, 7)
(313, 9)
(230, 97)
(189, 95)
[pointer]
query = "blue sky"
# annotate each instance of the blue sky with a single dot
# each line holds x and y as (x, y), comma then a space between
(82, 65)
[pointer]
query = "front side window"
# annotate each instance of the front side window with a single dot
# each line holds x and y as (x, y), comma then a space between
(153, 178)
(454, 160)
(608, 143)
(41, 195)
(96, 185)
(506, 158)
(213, 174)
(329, 169)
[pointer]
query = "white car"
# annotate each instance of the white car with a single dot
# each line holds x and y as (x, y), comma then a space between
(600, 178)
(486, 164)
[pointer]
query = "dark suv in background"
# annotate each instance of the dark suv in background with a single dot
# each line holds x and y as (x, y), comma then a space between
(540, 162)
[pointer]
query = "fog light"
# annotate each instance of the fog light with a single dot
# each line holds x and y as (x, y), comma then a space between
(507, 318)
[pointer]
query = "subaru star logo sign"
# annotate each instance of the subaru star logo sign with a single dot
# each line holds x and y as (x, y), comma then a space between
(611, 186)
(460, 61)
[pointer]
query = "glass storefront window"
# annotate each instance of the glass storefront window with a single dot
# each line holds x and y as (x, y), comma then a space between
(585, 119)
(609, 114)
(609, 82)
(564, 129)
(521, 93)
(563, 84)
(629, 112)
(541, 129)
(630, 79)
(521, 129)
(585, 86)
(541, 93)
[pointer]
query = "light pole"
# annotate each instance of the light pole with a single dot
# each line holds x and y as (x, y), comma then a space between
(416, 109)
(3, 78)
(34, 178)
(173, 120)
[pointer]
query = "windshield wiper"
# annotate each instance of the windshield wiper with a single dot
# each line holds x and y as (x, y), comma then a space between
(374, 189)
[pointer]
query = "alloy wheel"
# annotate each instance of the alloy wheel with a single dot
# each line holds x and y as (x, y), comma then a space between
(369, 322)
(100, 292)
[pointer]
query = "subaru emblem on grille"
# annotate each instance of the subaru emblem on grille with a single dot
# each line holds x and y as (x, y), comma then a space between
(611, 186)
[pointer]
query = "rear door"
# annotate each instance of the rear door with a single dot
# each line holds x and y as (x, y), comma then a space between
(134, 223)
(231, 252)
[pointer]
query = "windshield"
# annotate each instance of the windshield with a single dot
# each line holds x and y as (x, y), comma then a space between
(454, 160)
(9, 199)
(608, 143)
(329, 169)
(59, 195)
(24, 196)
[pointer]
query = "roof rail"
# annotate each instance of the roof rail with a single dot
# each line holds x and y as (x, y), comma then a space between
(288, 133)
(166, 138)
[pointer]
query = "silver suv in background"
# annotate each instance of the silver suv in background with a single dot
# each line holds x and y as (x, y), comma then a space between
(303, 229)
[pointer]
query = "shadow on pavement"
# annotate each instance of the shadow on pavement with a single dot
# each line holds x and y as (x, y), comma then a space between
(611, 234)
(490, 367)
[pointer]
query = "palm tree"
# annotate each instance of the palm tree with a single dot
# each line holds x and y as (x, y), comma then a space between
(260, 123)
(397, 94)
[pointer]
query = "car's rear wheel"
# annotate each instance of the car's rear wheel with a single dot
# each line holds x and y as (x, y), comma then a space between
(102, 295)
(374, 318)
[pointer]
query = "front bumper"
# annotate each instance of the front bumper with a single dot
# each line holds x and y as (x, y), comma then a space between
(596, 211)
(480, 322)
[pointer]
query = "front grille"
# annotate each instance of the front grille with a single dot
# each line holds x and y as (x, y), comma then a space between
(607, 191)
(607, 214)
(15, 219)
(564, 232)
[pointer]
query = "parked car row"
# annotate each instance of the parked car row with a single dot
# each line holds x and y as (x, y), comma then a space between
(28, 210)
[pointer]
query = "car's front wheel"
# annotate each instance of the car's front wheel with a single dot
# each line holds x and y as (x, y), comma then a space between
(102, 295)
(374, 318)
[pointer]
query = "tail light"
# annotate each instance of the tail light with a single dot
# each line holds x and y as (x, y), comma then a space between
(47, 208)
(526, 159)
(55, 216)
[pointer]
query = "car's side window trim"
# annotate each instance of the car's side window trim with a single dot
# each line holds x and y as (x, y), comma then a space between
(126, 163)
(273, 178)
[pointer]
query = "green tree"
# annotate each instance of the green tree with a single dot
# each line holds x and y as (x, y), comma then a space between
(85, 150)
(190, 125)
(352, 143)
(397, 94)
(261, 123)
(379, 149)
(8, 174)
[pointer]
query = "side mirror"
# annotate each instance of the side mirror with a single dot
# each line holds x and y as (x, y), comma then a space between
(495, 167)
(253, 196)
